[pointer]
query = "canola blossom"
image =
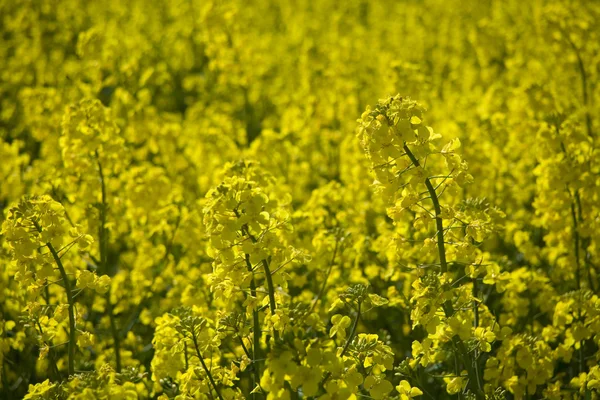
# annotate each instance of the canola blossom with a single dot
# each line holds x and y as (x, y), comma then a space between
(225, 200)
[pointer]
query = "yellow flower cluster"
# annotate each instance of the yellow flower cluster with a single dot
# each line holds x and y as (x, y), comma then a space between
(186, 213)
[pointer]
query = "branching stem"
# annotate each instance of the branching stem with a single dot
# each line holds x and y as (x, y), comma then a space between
(268, 276)
(65, 278)
(474, 382)
(438, 211)
(210, 377)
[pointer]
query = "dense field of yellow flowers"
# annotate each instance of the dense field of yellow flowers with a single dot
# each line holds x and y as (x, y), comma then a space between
(206, 199)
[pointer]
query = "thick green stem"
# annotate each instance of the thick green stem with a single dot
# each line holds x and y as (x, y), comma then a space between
(256, 326)
(241, 339)
(475, 384)
(67, 285)
(352, 331)
(584, 91)
(439, 224)
(210, 377)
(271, 288)
(268, 276)
(584, 85)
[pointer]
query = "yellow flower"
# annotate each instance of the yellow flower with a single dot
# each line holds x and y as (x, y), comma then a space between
(39, 391)
(407, 391)
(455, 384)
(340, 324)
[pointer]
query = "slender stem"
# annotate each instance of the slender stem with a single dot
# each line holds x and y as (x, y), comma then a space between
(185, 354)
(244, 347)
(255, 371)
(584, 86)
(457, 372)
(576, 247)
(475, 303)
(352, 331)
(67, 284)
(271, 288)
(50, 353)
(438, 211)
(577, 275)
(256, 334)
(577, 217)
(476, 324)
(102, 228)
(474, 382)
(212, 381)
(585, 243)
(268, 275)
(588, 118)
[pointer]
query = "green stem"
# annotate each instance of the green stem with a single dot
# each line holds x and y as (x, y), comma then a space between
(241, 339)
(352, 331)
(256, 322)
(185, 354)
(438, 211)
(476, 324)
(50, 353)
(474, 382)
(577, 276)
(271, 288)
(584, 86)
(577, 217)
(576, 247)
(584, 89)
(67, 285)
(210, 377)
(475, 303)
(268, 276)
(255, 370)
